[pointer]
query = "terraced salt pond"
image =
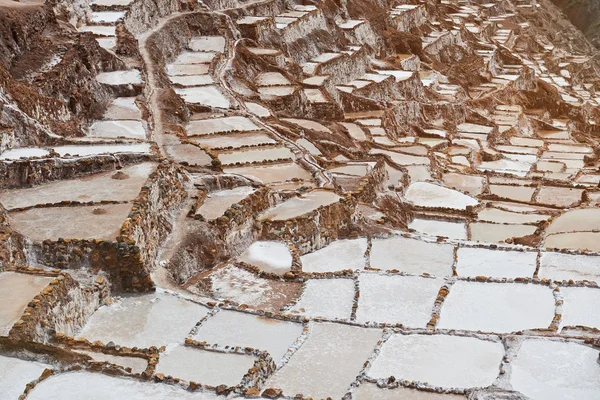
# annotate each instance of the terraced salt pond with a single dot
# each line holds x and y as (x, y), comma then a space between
(234, 140)
(256, 155)
(439, 360)
(210, 367)
(121, 185)
(247, 330)
(132, 321)
(268, 256)
(497, 307)
(552, 369)
(16, 373)
(280, 172)
(80, 385)
(16, 291)
(297, 206)
(83, 222)
(216, 203)
(322, 367)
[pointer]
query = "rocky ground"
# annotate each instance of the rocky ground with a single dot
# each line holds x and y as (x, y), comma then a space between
(337, 199)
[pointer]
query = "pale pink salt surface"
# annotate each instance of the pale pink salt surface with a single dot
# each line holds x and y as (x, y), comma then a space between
(271, 173)
(230, 328)
(268, 256)
(497, 307)
(234, 140)
(554, 370)
(123, 108)
(16, 291)
(130, 129)
(95, 386)
(588, 241)
(412, 255)
(491, 233)
(407, 300)
(220, 125)
(245, 287)
(297, 206)
(15, 373)
(337, 256)
(431, 227)
(125, 77)
(424, 194)
(88, 150)
(474, 261)
(369, 391)
(559, 266)
(328, 362)
(154, 319)
(328, 298)
(205, 367)
(95, 188)
(23, 152)
(207, 43)
(216, 203)
(255, 155)
(74, 222)
(439, 360)
(580, 307)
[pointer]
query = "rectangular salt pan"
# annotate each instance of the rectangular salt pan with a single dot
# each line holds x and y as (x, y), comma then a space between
(497, 307)
(328, 362)
(133, 321)
(16, 291)
(474, 262)
(229, 328)
(221, 125)
(297, 206)
(328, 298)
(205, 367)
(439, 360)
(412, 256)
(407, 300)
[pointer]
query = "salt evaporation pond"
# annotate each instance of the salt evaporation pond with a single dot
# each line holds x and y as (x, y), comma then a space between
(127, 77)
(430, 227)
(473, 261)
(84, 151)
(559, 266)
(81, 222)
(268, 256)
(95, 386)
(325, 367)
(23, 152)
(230, 328)
(337, 256)
(439, 360)
(497, 307)
(407, 300)
(428, 195)
(412, 256)
(155, 319)
(216, 203)
(555, 370)
(580, 307)
(16, 373)
(301, 205)
(206, 367)
(326, 298)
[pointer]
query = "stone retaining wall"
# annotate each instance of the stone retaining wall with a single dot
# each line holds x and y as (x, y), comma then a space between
(64, 305)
